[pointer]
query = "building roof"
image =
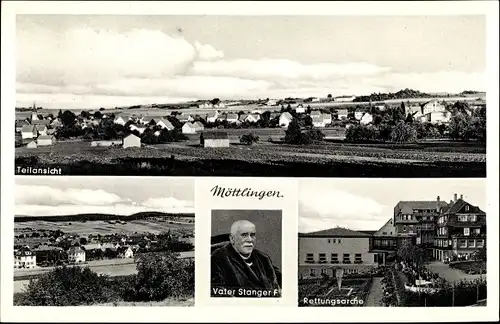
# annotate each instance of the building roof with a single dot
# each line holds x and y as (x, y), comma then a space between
(147, 118)
(215, 135)
(189, 124)
(287, 115)
(315, 113)
(166, 122)
(232, 116)
(28, 128)
(40, 122)
(48, 248)
(336, 231)
(132, 135)
(368, 232)
(40, 127)
(46, 137)
(198, 124)
(342, 111)
(411, 205)
(457, 206)
(91, 246)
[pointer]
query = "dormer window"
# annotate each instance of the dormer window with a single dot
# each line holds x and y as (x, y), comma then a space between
(467, 208)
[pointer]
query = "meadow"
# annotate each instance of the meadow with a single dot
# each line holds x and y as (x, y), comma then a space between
(331, 158)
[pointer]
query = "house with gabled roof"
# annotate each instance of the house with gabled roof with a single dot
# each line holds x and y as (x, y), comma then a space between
(252, 118)
(212, 116)
(46, 140)
(198, 126)
(322, 252)
(165, 123)
(285, 119)
(342, 114)
(29, 131)
(188, 128)
(76, 254)
(24, 258)
(214, 139)
(131, 141)
(45, 122)
(41, 129)
(461, 231)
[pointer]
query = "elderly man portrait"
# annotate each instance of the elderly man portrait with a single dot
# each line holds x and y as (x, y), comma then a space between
(238, 264)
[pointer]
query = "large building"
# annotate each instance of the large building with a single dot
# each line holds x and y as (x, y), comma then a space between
(24, 258)
(460, 232)
(322, 252)
(417, 219)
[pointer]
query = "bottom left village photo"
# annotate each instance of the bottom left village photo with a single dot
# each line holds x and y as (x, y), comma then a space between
(103, 242)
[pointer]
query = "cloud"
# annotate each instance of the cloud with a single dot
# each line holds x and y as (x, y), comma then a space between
(326, 208)
(167, 203)
(91, 68)
(207, 52)
(46, 201)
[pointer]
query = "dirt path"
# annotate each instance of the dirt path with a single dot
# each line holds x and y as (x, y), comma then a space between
(374, 298)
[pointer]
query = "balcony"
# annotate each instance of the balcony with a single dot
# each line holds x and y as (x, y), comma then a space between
(346, 262)
(334, 261)
(309, 261)
(358, 261)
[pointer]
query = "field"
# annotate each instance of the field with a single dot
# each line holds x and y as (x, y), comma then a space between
(327, 159)
(102, 227)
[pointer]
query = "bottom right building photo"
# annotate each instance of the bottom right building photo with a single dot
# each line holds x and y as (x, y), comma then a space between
(392, 243)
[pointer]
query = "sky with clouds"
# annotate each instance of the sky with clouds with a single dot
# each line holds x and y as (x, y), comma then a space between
(367, 204)
(75, 61)
(46, 196)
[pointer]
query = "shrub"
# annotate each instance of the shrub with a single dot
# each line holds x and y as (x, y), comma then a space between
(249, 139)
(69, 286)
(163, 275)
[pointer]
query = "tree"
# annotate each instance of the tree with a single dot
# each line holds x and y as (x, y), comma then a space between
(69, 286)
(293, 132)
(460, 126)
(249, 139)
(83, 241)
(412, 254)
(329, 96)
(163, 274)
(68, 118)
(59, 114)
(403, 133)
(215, 101)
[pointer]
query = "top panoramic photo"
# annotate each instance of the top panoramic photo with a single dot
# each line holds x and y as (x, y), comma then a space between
(261, 96)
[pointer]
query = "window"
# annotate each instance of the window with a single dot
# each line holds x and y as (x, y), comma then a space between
(467, 208)
(346, 258)
(329, 241)
(466, 231)
(404, 228)
(472, 218)
(324, 271)
(462, 218)
(338, 241)
(455, 243)
(480, 243)
(334, 258)
(310, 257)
(357, 258)
(471, 243)
(312, 272)
(463, 243)
(322, 258)
(477, 231)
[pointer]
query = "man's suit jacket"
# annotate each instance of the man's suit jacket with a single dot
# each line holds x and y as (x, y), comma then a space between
(229, 270)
